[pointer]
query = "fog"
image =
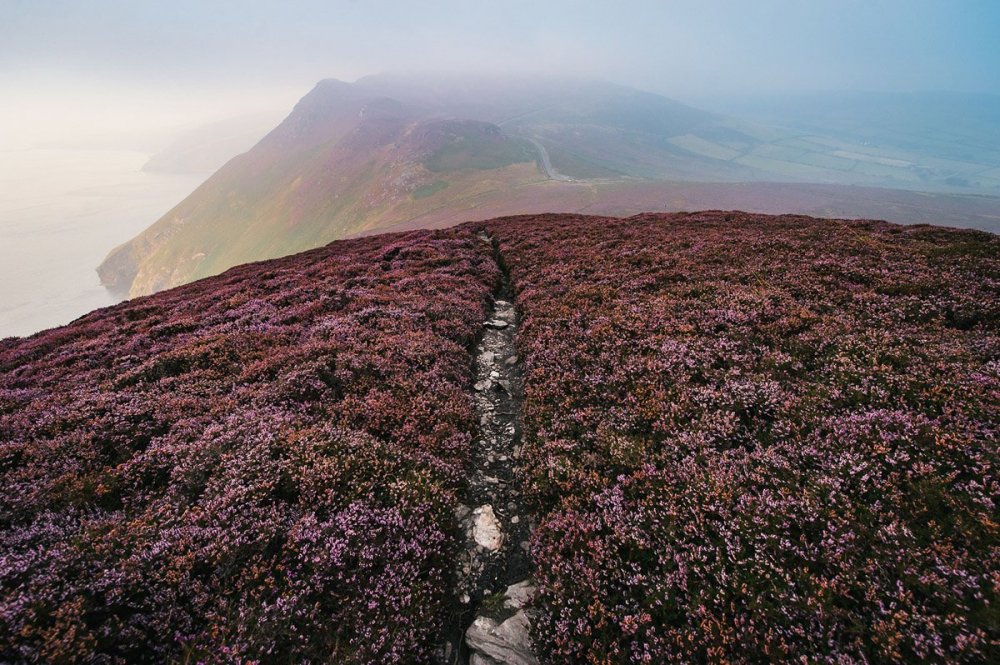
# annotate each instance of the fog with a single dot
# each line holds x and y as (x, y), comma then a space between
(171, 59)
(111, 71)
(87, 88)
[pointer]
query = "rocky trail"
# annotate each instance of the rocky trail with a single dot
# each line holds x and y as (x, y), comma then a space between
(491, 623)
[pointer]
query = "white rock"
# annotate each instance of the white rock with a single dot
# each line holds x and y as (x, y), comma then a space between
(508, 642)
(483, 385)
(499, 324)
(485, 528)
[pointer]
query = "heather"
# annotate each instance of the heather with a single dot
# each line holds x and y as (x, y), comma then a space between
(760, 439)
(261, 466)
(742, 438)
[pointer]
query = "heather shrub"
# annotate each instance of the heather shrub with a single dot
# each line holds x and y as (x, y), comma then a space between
(760, 439)
(746, 439)
(256, 467)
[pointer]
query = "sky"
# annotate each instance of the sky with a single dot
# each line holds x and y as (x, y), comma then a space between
(125, 64)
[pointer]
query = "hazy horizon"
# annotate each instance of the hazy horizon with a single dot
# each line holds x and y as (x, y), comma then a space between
(114, 70)
(86, 88)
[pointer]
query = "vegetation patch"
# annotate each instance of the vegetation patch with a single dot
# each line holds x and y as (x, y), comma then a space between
(261, 463)
(480, 147)
(429, 189)
(744, 439)
(757, 438)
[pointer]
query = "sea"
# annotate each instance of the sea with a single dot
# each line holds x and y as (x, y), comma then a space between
(61, 212)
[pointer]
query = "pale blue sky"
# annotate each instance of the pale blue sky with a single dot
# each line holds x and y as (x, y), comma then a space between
(674, 47)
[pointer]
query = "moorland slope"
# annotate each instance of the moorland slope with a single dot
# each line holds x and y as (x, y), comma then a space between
(742, 438)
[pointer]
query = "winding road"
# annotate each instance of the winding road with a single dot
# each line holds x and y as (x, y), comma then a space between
(550, 172)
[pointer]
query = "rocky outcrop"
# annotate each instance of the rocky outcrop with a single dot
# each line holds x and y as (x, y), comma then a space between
(504, 635)
(119, 270)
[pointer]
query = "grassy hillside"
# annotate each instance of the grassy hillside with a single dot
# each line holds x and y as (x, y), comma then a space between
(343, 162)
(388, 152)
(743, 439)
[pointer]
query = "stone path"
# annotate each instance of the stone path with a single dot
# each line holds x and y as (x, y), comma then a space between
(493, 572)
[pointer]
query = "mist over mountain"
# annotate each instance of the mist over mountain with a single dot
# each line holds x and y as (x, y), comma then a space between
(946, 139)
(205, 148)
(408, 150)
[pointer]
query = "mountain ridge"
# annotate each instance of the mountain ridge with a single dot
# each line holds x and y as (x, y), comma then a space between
(390, 151)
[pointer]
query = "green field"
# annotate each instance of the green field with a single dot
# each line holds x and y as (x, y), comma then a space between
(429, 190)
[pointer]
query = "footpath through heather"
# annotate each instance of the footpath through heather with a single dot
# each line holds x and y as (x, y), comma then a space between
(493, 571)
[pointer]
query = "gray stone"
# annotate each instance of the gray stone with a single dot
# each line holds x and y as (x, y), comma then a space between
(462, 511)
(487, 357)
(498, 324)
(483, 385)
(520, 594)
(508, 642)
(479, 659)
(511, 361)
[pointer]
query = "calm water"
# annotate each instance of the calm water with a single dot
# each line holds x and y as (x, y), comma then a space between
(61, 211)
